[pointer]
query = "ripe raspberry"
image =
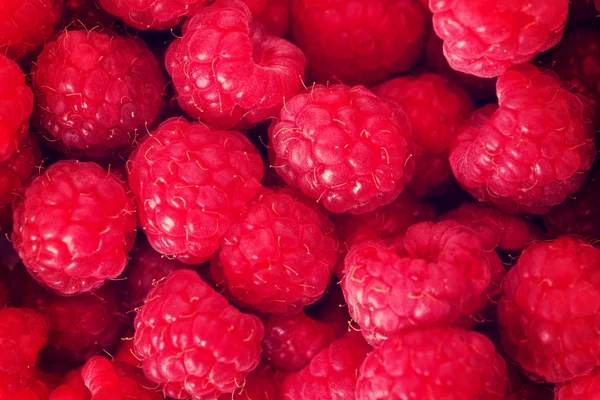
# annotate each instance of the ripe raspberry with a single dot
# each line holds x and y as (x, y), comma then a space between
(343, 146)
(291, 341)
(115, 380)
(192, 342)
(260, 384)
(586, 387)
(331, 375)
(71, 387)
(436, 275)
(488, 37)
(360, 42)
(278, 256)
(158, 14)
(533, 151)
(96, 91)
(425, 364)
(228, 71)
(16, 104)
(550, 308)
(74, 226)
(23, 333)
(16, 170)
(436, 108)
(125, 352)
(26, 24)
(190, 184)
(86, 14)
(273, 14)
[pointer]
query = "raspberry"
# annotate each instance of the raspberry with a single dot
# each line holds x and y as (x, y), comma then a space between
(126, 354)
(487, 38)
(291, 341)
(23, 333)
(550, 307)
(86, 14)
(586, 387)
(96, 91)
(343, 146)
(16, 170)
(74, 226)
(530, 153)
(115, 380)
(424, 364)
(190, 184)
(436, 109)
(192, 342)
(331, 375)
(26, 24)
(16, 105)
(158, 14)
(436, 275)
(71, 387)
(260, 384)
(278, 256)
(273, 14)
(359, 42)
(228, 71)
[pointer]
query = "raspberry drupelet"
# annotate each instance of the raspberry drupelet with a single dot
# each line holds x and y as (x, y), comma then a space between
(71, 387)
(358, 42)
(96, 92)
(435, 363)
(586, 387)
(191, 183)
(228, 71)
(192, 342)
(550, 307)
(437, 274)
(260, 384)
(273, 14)
(157, 14)
(74, 226)
(278, 256)
(487, 37)
(532, 151)
(344, 147)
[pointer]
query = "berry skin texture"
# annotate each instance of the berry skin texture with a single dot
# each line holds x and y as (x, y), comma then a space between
(260, 384)
(228, 71)
(585, 387)
(278, 256)
(26, 24)
(331, 375)
(16, 170)
(191, 183)
(549, 310)
(531, 152)
(192, 342)
(437, 274)
(16, 105)
(343, 146)
(360, 42)
(433, 364)
(96, 91)
(273, 14)
(72, 387)
(436, 108)
(291, 341)
(157, 15)
(74, 226)
(487, 38)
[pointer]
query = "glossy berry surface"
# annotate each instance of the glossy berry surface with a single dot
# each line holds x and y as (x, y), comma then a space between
(159, 15)
(275, 15)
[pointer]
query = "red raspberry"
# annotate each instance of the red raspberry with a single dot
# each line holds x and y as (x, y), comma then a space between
(487, 37)
(436, 108)
(116, 381)
(26, 24)
(23, 333)
(436, 275)
(96, 91)
(260, 384)
(549, 311)
(190, 184)
(586, 387)
(86, 14)
(533, 151)
(126, 354)
(291, 341)
(436, 363)
(74, 226)
(192, 342)
(16, 105)
(16, 170)
(343, 146)
(156, 14)
(277, 257)
(72, 387)
(273, 14)
(331, 375)
(358, 42)
(228, 71)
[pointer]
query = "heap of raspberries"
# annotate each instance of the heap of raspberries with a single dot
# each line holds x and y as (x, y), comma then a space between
(299, 200)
